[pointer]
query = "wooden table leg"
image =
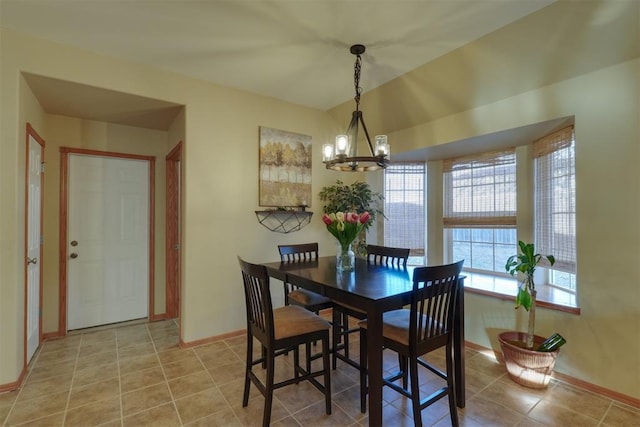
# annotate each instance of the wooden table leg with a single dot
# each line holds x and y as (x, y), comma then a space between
(374, 355)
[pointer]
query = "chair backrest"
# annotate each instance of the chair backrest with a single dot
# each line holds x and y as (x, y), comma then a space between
(300, 252)
(257, 300)
(435, 291)
(385, 255)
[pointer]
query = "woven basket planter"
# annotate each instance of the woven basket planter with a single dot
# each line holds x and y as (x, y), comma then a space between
(527, 367)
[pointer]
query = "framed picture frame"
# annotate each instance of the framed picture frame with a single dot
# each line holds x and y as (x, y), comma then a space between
(284, 168)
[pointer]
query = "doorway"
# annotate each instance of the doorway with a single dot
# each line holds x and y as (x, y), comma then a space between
(106, 242)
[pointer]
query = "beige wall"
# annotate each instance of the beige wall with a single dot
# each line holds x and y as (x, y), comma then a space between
(220, 134)
(604, 341)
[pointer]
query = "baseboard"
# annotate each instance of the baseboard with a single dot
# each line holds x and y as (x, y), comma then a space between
(157, 317)
(14, 385)
(611, 394)
(51, 335)
(209, 340)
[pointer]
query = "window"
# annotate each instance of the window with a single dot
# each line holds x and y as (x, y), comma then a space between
(555, 207)
(484, 249)
(404, 226)
(479, 214)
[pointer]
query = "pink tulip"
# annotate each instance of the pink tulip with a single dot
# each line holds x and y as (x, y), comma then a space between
(364, 218)
(326, 219)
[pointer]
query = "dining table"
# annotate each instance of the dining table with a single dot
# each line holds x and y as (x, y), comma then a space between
(374, 289)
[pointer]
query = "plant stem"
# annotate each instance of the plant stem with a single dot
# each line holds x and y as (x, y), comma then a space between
(532, 320)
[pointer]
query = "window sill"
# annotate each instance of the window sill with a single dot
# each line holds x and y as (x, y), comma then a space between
(504, 288)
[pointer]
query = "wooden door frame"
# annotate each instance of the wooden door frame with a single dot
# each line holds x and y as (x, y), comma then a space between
(30, 132)
(62, 249)
(173, 216)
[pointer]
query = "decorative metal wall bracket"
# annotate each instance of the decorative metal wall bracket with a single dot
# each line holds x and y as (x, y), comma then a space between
(285, 220)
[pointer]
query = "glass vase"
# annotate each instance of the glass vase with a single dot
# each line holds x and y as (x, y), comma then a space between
(345, 258)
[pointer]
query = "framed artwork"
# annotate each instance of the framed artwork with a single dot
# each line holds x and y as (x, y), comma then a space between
(285, 168)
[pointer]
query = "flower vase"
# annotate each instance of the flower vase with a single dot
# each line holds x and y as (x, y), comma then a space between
(345, 258)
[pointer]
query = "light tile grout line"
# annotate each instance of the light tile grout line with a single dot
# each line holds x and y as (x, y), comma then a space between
(166, 381)
(244, 364)
(73, 377)
(119, 380)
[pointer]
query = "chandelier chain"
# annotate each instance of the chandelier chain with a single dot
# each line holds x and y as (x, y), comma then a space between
(356, 80)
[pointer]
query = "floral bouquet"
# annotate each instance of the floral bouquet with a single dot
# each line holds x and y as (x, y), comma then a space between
(345, 226)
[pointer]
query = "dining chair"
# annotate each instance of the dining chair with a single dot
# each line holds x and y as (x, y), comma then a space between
(378, 255)
(279, 330)
(426, 326)
(294, 294)
(312, 301)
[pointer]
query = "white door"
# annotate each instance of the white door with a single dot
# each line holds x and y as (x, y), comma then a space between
(34, 239)
(108, 238)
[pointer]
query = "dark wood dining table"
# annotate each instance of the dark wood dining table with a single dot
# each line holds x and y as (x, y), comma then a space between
(374, 289)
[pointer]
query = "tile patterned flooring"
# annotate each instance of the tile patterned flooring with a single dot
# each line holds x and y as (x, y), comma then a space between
(135, 375)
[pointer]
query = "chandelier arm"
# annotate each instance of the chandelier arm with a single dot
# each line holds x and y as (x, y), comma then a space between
(366, 132)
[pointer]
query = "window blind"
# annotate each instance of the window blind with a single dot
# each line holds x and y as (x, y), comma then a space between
(555, 195)
(480, 190)
(404, 207)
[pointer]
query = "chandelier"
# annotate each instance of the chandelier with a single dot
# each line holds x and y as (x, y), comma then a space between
(343, 156)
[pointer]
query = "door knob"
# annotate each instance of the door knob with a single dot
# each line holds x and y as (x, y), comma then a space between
(32, 260)
(74, 243)
(73, 255)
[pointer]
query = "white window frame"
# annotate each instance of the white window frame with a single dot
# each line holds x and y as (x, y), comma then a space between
(488, 203)
(409, 233)
(555, 204)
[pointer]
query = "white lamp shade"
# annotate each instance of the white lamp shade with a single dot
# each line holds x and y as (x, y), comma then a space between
(327, 152)
(342, 145)
(382, 146)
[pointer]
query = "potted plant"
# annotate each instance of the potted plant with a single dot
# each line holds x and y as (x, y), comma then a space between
(529, 358)
(357, 197)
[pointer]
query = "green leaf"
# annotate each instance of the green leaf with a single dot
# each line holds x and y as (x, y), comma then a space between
(523, 299)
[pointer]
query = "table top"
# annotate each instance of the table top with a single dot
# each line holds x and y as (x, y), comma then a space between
(367, 283)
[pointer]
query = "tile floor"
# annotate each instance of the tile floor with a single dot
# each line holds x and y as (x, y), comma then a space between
(136, 375)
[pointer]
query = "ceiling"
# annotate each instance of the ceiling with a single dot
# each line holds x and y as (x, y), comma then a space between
(297, 51)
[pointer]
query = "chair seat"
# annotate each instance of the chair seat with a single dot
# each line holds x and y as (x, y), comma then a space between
(395, 325)
(351, 310)
(292, 320)
(307, 298)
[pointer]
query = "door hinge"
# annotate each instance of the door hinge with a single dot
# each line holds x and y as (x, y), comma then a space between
(41, 239)
(42, 167)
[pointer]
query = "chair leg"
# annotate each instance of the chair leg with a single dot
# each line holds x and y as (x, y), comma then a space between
(363, 370)
(451, 388)
(268, 398)
(249, 364)
(415, 391)
(326, 366)
(307, 349)
(403, 363)
(335, 333)
(296, 362)
(345, 328)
